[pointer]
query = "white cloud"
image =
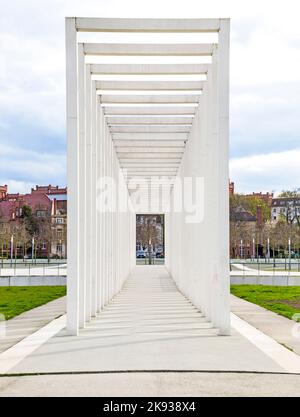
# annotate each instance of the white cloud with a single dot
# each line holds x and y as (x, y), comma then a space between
(268, 172)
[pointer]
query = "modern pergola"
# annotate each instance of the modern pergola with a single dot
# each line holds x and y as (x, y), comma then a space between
(162, 120)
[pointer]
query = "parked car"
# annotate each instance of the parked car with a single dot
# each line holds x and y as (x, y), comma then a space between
(160, 255)
(140, 254)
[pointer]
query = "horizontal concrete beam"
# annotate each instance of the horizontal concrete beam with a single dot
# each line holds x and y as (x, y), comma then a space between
(155, 120)
(147, 111)
(150, 129)
(86, 24)
(150, 85)
(144, 166)
(152, 143)
(149, 49)
(150, 136)
(149, 99)
(149, 155)
(149, 161)
(143, 149)
(149, 69)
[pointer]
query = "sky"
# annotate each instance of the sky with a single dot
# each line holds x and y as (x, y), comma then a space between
(264, 93)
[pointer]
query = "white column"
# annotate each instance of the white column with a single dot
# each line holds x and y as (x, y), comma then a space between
(88, 188)
(82, 194)
(221, 313)
(99, 225)
(73, 178)
(94, 211)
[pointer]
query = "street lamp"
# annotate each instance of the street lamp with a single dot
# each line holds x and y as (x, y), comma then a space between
(241, 251)
(11, 248)
(253, 248)
(289, 242)
(268, 249)
(32, 249)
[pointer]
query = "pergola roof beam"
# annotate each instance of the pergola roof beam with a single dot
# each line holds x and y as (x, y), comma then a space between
(147, 111)
(150, 85)
(150, 129)
(150, 136)
(143, 149)
(84, 24)
(147, 99)
(148, 49)
(151, 143)
(149, 155)
(149, 161)
(159, 120)
(149, 69)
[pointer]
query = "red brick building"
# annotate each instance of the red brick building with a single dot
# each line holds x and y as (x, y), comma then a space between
(48, 206)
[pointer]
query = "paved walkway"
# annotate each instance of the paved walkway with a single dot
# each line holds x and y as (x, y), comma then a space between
(156, 384)
(29, 322)
(151, 341)
(149, 325)
(283, 330)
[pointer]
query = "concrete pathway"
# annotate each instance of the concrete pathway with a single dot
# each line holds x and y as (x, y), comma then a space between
(149, 326)
(30, 321)
(149, 341)
(156, 384)
(283, 330)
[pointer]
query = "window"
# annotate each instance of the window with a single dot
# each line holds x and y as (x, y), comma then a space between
(59, 220)
(44, 246)
(41, 213)
(58, 248)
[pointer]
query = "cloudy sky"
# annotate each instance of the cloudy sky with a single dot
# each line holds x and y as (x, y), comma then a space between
(265, 86)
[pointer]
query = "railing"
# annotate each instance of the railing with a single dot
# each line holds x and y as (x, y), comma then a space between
(30, 268)
(265, 267)
(154, 261)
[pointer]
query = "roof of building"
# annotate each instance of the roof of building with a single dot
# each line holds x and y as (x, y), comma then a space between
(239, 214)
(283, 201)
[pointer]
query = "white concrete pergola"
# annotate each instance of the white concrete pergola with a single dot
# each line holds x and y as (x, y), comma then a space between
(139, 121)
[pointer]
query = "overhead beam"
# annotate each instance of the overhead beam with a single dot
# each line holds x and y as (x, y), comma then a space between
(152, 143)
(148, 99)
(149, 69)
(149, 49)
(144, 149)
(150, 85)
(150, 129)
(150, 136)
(149, 161)
(159, 120)
(149, 155)
(147, 111)
(86, 24)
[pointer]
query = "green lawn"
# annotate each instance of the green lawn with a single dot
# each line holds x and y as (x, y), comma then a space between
(281, 300)
(16, 300)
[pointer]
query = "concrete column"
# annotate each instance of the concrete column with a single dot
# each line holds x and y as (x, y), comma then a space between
(73, 177)
(81, 188)
(94, 202)
(88, 188)
(221, 289)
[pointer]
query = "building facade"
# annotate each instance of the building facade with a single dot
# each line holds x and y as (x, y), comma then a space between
(34, 224)
(287, 208)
